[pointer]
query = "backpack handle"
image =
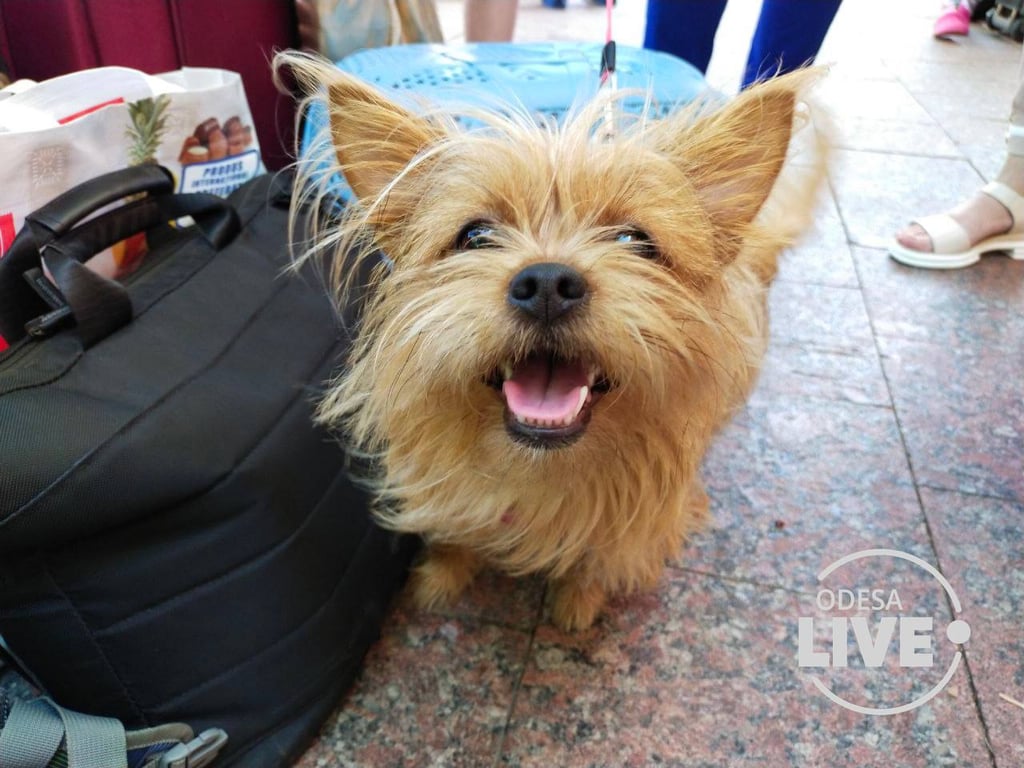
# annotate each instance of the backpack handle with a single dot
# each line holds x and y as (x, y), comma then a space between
(99, 305)
(58, 216)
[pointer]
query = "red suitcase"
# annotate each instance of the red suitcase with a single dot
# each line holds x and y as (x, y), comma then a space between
(40, 39)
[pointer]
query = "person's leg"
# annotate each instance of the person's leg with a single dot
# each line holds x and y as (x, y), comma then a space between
(788, 35)
(982, 216)
(490, 21)
(684, 28)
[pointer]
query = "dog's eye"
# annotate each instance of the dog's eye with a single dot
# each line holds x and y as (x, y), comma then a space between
(476, 234)
(639, 241)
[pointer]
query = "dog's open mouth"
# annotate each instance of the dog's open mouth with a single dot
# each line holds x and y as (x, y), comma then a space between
(548, 399)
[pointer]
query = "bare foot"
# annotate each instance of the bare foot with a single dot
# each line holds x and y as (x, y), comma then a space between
(981, 217)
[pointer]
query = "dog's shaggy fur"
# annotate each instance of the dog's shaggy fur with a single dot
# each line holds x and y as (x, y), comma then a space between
(669, 227)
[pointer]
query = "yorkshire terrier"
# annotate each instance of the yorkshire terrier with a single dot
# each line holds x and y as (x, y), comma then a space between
(565, 315)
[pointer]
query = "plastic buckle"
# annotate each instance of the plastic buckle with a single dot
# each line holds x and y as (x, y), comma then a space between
(199, 752)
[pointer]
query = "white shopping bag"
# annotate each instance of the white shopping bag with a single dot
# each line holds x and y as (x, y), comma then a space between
(58, 133)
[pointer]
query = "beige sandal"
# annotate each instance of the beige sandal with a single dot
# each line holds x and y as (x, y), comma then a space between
(951, 246)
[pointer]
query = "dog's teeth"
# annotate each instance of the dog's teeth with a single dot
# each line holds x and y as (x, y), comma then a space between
(584, 394)
(566, 421)
(506, 371)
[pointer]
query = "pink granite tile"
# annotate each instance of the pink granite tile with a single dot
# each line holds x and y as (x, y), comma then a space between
(794, 479)
(821, 345)
(433, 691)
(896, 134)
(822, 255)
(847, 371)
(982, 306)
(704, 673)
(980, 542)
(878, 99)
(947, 340)
(985, 98)
(961, 410)
(818, 313)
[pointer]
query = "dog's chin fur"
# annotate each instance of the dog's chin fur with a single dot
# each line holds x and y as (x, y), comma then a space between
(673, 326)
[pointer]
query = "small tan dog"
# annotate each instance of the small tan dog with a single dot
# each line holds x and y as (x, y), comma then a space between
(568, 319)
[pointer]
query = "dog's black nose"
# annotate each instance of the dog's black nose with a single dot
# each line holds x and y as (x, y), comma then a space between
(547, 291)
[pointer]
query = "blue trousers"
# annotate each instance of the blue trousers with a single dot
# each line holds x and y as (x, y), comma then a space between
(788, 34)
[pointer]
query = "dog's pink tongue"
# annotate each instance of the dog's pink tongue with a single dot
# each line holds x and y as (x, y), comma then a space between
(543, 390)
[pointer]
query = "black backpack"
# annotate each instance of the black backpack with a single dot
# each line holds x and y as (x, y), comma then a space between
(178, 542)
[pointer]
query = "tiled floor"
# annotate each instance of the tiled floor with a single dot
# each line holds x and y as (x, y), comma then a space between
(889, 415)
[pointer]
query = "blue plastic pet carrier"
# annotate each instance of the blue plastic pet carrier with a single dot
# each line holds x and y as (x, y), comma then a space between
(544, 78)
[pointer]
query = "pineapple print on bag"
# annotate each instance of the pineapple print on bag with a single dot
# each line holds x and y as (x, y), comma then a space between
(149, 123)
(146, 131)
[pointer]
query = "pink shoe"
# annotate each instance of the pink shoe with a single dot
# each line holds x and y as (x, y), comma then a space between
(955, 21)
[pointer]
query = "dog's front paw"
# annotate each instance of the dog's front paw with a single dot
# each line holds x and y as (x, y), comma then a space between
(576, 605)
(442, 577)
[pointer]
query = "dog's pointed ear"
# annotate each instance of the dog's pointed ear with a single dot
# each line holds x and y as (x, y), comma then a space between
(734, 155)
(374, 138)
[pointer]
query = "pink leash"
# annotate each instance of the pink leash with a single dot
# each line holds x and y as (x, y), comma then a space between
(608, 54)
(608, 77)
